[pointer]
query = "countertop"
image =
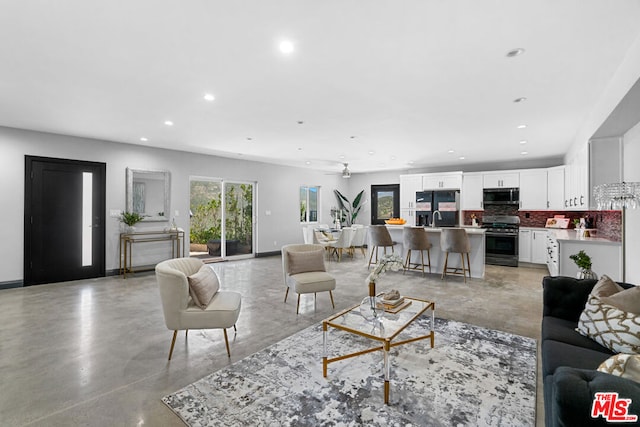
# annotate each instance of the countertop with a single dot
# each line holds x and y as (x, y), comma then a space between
(468, 229)
(572, 236)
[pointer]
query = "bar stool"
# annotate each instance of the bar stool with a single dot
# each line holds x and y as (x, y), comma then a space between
(455, 240)
(379, 237)
(415, 238)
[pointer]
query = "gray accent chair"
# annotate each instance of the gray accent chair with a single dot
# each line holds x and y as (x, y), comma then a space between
(416, 239)
(379, 237)
(306, 280)
(455, 240)
(181, 313)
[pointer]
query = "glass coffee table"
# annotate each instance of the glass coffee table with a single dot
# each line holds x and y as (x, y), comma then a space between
(382, 330)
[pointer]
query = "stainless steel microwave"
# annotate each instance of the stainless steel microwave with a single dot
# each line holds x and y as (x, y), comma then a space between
(501, 196)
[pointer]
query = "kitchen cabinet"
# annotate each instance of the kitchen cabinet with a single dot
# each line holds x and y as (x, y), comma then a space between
(501, 180)
(555, 188)
(533, 189)
(552, 254)
(471, 193)
(532, 245)
(577, 181)
(408, 215)
(409, 185)
(524, 245)
(539, 246)
(447, 181)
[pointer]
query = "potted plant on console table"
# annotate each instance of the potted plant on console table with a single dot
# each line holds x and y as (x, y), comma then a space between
(130, 219)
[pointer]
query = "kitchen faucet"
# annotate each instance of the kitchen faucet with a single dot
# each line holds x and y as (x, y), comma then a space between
(433, 219)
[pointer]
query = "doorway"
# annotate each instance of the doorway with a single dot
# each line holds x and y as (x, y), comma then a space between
(221, 219)
(64, 220)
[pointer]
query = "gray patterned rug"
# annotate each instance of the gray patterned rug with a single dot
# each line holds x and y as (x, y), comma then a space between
(472, 377)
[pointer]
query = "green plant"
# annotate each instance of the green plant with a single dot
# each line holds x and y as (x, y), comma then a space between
(350, 210)
(582, 260)
(131, 218)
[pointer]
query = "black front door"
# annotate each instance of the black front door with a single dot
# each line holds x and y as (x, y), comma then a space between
(64, 222)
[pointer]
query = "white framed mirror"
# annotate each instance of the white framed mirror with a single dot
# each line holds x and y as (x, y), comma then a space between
(148, 193)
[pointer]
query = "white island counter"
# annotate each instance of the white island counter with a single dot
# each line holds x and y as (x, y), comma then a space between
(476, 257)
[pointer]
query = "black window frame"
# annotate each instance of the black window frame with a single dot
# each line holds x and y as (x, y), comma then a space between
(395, 189)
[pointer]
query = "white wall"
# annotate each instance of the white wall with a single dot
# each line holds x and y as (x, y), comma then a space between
(631, 173)
(277, 189)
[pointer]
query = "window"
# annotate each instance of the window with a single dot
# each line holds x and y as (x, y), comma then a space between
(309, 204)
(385, 202)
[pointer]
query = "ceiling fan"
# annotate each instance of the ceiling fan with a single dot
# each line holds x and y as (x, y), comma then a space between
(346, 173)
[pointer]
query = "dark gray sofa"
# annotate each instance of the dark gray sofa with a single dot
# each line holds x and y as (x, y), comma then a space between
(570, 360)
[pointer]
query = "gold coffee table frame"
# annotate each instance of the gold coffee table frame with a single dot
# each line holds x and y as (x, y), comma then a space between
(350, 320)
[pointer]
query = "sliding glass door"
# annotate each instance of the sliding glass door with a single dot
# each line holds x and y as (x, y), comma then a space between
(221, 215)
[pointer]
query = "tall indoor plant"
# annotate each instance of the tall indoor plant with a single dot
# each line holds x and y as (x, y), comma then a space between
(351, 210)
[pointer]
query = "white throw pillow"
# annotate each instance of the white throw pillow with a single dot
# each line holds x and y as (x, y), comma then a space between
(609, 326)
(203, 286)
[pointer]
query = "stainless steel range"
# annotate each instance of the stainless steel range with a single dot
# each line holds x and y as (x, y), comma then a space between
(501, 239)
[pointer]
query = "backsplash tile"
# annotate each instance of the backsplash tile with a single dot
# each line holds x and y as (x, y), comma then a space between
(608, 223)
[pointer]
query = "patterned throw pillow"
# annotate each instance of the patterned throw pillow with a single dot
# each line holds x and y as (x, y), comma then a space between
(622, 365)
(610, 327)
(203, 286)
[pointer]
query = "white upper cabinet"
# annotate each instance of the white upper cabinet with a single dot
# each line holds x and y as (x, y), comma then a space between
(533, 189)
(409, 185)
(555, 188)
(501, 180)
(447, 181)
(471, 193)
(577, 181)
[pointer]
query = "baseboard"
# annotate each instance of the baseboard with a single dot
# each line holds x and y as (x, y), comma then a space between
(12, 284)
(265, 254)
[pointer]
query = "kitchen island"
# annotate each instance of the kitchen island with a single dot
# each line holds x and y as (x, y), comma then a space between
(606, 254)
(476, 257)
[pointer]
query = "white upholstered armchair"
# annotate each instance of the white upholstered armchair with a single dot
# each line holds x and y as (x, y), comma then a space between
(181, 312)
(305, 272)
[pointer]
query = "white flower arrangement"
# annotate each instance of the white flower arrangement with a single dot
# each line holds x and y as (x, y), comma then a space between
(391, 262)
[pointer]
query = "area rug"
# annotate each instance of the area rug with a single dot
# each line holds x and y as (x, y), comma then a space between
(472, 377)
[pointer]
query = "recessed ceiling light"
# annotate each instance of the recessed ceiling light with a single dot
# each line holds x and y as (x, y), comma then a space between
(341, 156)
(307, 162)
(518, 100)
(168, 123)
(410, 162)
(524, 141)
(371, 153)
(515, 52)
(393, 157)
(209, 97)
(286, 47)
(522, 126)
(143, 139)
(461, 157)
(524, 153)
(451, 151)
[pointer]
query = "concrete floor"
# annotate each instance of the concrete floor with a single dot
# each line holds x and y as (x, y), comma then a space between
(94, 352)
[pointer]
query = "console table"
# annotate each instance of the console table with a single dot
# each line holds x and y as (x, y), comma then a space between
(127, 240)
